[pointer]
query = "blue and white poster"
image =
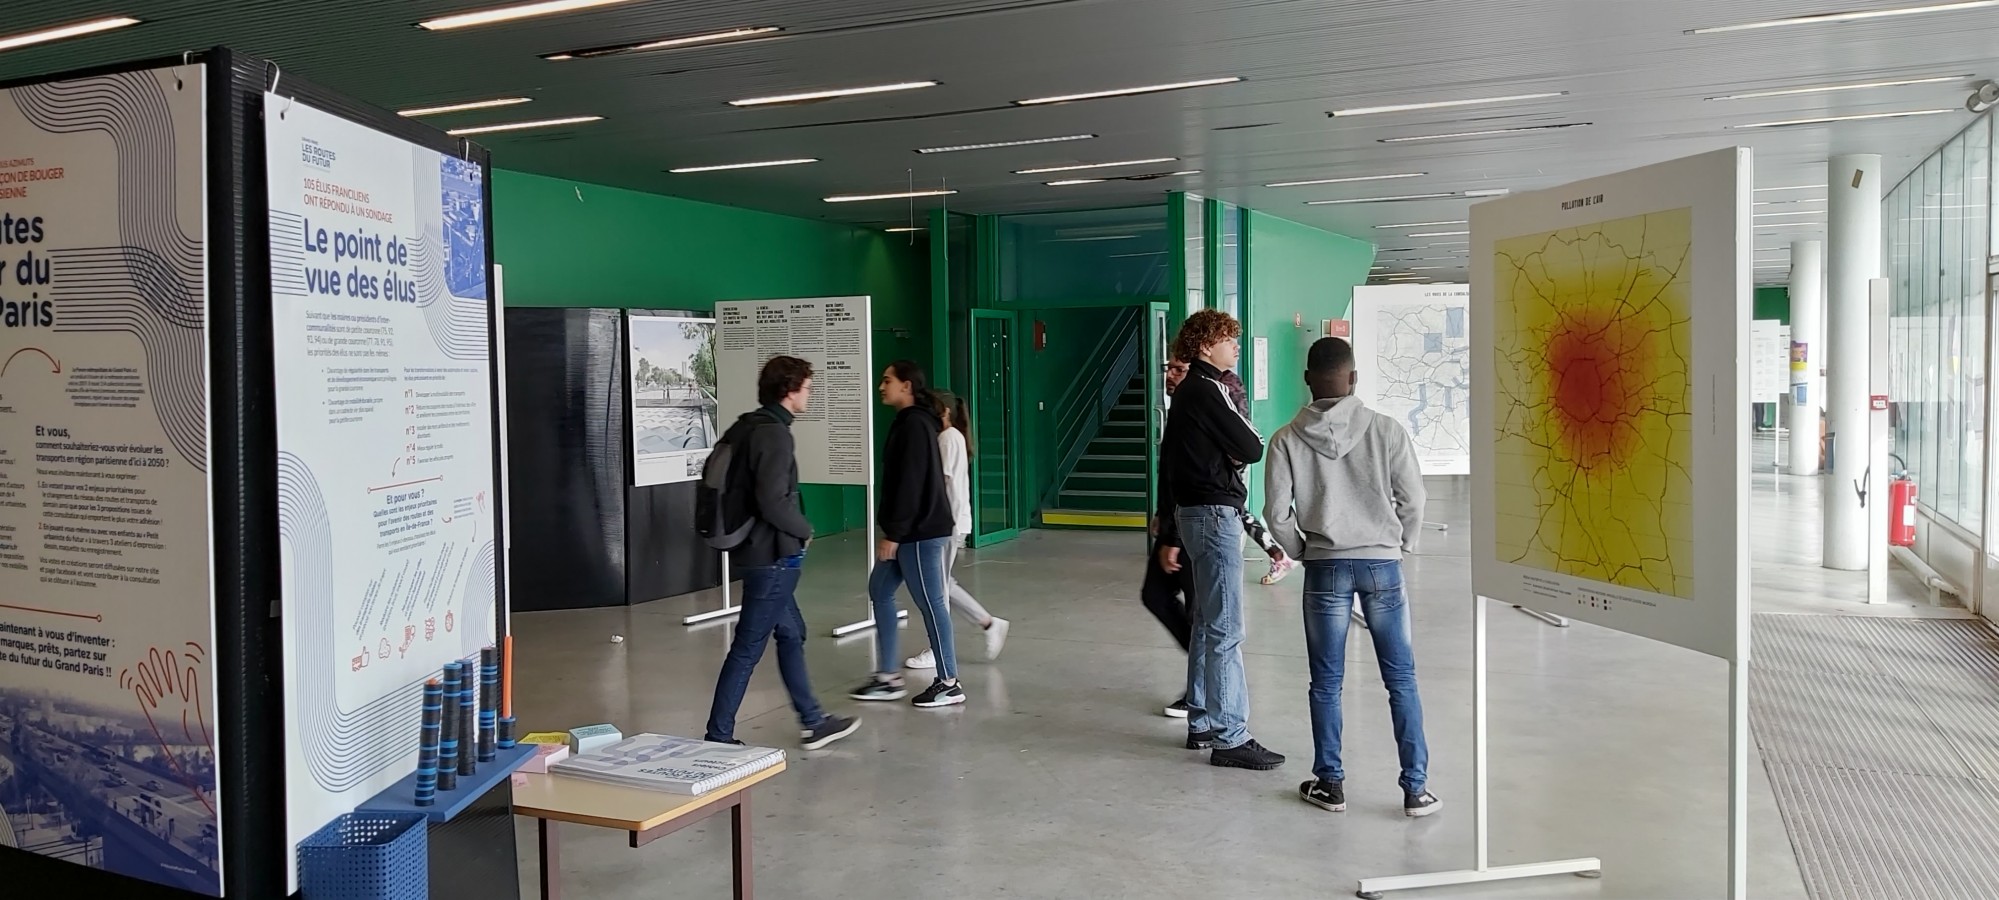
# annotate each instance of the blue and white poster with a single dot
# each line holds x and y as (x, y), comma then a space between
(387, 516)
(107, 676)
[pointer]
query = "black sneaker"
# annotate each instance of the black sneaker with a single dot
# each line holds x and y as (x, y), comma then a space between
(1177, 709)
(1251, 755)
(879, 688)
(940, 694)
(1201, 740)
(1330, 796)
(1416, 806)
(829, 729)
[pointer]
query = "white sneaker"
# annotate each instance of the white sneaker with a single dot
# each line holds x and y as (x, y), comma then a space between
(996, 637)
(925, 660)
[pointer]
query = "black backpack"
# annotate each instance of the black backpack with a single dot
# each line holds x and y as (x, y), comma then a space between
(721, 513)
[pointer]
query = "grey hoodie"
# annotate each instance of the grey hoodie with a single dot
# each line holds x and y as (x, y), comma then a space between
(1342, 482)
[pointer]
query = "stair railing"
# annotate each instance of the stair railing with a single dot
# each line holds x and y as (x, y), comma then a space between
(1080, 417)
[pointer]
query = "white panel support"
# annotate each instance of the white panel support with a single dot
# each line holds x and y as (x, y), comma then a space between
(1853, 258)
(1807, 341)
(1548, 617)
(1482, 871)
(1738, 779)
(728, 608)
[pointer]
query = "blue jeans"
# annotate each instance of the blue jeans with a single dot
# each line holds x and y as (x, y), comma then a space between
(1217, 689)
(920, 565)
(1330, 586)
(770, 606)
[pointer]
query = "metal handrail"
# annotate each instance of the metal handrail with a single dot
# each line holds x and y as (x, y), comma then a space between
(1115, 360)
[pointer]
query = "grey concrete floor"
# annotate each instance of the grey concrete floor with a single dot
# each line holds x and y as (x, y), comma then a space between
(1060, 777)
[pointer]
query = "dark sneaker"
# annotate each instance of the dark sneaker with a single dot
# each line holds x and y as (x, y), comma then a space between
(1200, 740)
(829, 729)
(1417, 806)
(1330, 796)
(731, 742)
(1251, 755)
(879, 689)
(940, 694)
(1177, 709)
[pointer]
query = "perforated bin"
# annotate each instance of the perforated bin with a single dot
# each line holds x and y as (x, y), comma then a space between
(367, 856)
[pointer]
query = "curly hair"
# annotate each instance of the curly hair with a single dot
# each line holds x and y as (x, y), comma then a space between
(1204, 329)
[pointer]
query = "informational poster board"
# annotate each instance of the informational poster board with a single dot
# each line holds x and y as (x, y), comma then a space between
(1412, 349)
(673, 391)
(381, 326)
(832, 333)
(1610, 330)
(108, 714)
(1770, 361)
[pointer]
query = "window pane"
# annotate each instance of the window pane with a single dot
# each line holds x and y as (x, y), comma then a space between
(1977, 221)
(1195, 251)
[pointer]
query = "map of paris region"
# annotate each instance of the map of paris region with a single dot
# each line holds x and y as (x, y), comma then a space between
(1593, 401)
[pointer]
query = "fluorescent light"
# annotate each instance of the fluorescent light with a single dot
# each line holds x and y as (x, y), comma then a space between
(522, 126)
(1489, 192)
(1449, 243)
(905, 195)
(1820, 18)
(1377, 268)
(1392, 199)
(994, 144)
(512, 13)
(689, 170)
(1103, 165)
(834, 93)
(1793, 187)
(1314, 181)
(1068, 182)
(1821, 120)
(65, 32)
(1427, 268)
(1440, 234)
(902, 229)
(1466, 134)
(1425, 224)
(664, 43)
(1441, 104)
(1829, 88)
(461, 107)
(1126, 92)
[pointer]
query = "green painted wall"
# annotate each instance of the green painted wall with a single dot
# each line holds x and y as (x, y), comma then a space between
(574, 244)
(1773, 303)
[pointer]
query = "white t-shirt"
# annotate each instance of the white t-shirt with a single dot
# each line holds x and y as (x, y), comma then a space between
(957, 477)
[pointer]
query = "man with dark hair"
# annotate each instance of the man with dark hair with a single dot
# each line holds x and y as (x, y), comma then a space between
(1344, 493)
(763, 471)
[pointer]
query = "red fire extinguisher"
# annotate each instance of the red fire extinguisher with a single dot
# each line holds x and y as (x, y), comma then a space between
(1902, 510)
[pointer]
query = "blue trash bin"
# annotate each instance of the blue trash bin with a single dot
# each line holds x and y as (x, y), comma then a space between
(367, 856)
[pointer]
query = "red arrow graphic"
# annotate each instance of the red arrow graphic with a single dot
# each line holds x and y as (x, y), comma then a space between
(55, 367)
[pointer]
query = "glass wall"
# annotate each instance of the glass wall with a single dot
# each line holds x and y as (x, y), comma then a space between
(1938, 226)
(1091, 254)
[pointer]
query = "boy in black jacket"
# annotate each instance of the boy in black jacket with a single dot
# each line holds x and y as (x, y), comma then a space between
(772, 557)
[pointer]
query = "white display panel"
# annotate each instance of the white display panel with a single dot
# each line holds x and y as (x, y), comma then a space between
(1610, 331)
(672, 384)
(381, 317)
(1412, 349)
(1770, 361)
(108, 714)
(832, 333)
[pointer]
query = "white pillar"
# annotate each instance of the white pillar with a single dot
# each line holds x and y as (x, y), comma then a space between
(1853, 257)
(1807, 353)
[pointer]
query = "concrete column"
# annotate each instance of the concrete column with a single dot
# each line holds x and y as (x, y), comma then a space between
(1807, 353)
(1853, 257)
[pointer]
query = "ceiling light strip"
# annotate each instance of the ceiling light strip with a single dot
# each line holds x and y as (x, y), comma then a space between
(65, 32)
(1425, 224)
(1830, 88)
(1350, 180)
(834, 93)
(1488, 132)
(1391, 199)
(1427, 234)
(1103, 165)
(664, 43)
(1442, 104)
(902, 195)
(1824, 120)
(689, 170)
(1854, 16)
(997, 144)
(462, 107)
(1131, 91)
(523, 126)
(500, 14)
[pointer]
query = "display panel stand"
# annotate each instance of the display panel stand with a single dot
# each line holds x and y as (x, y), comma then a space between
(1548, 617)
(728, 608)
(1482, 871)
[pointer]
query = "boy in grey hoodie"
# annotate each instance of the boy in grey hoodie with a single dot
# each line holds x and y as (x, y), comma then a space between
(1344, 494)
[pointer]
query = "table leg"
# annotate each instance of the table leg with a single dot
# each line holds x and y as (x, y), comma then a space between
(739, 827)
(551, 861)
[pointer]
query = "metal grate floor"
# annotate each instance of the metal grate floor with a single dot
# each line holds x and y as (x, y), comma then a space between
(1881, 740)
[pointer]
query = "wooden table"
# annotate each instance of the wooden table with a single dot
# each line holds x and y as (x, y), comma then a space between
(645, 815)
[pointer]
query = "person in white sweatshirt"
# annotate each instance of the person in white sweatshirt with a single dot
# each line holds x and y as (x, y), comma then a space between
(955, 447)
(1343, 492)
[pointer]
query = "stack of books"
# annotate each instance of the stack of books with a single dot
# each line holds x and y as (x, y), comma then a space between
(659, 762)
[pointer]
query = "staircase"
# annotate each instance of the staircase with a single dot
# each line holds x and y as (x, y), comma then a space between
(1102, 482)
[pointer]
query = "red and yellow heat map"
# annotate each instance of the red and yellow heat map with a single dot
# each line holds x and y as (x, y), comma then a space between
(1592, 330)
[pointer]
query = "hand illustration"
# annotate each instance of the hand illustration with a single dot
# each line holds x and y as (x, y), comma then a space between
(168, 687)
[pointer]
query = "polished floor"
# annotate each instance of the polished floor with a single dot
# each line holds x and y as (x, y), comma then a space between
(1060, 778)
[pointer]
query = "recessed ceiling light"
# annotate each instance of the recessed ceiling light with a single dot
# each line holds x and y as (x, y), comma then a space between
(1493, 131)
(689, 170)
(1820, 18)
(1489, 192)
(523, 126)
(1103, 165)
(1440, 234)
(1427, 268)
(1126, 92)
(1284, 184)
(810, 96)
(1448, 243)
(1821, 120)
(1392, 199)
(995, 144)
(512, 13)
(1068, 182)
(1377, 268)
(1793, 187)
(1147, 177)
(664, 43)
(902, 229)
(1440, 104)
(65, 32)
(461, 107)
(1829, 88)
(904, 195)
(1425, 224)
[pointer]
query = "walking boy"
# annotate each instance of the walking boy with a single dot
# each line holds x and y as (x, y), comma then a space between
(1343, 492)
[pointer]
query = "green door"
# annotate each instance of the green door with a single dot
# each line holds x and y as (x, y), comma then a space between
(997, 508)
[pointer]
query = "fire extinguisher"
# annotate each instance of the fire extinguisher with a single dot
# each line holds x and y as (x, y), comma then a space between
(1902, 509)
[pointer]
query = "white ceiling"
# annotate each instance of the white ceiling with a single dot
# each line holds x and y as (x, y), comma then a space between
(1628, 67)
